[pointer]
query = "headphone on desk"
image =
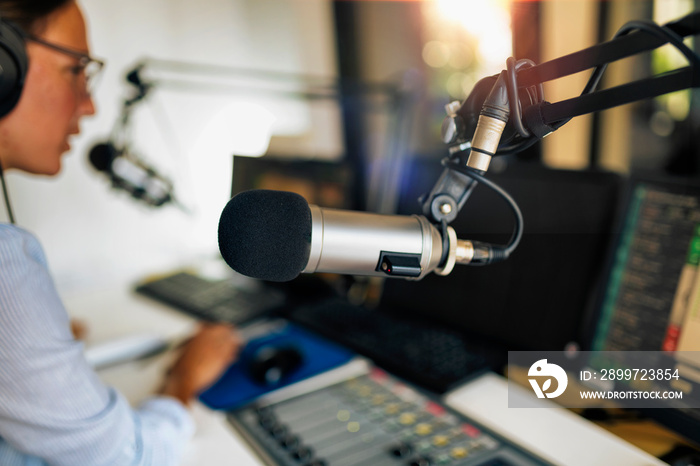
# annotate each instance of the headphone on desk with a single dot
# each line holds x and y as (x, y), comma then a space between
(13, 65)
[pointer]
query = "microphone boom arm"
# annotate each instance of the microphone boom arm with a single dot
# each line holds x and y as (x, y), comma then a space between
(513, 115)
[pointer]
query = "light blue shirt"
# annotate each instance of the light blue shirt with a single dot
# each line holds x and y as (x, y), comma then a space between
(53, 407)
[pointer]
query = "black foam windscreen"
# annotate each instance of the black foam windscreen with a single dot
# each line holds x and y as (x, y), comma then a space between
(266, 234)
(102, 155)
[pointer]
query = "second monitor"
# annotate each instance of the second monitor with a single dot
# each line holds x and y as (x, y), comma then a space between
(321, 182)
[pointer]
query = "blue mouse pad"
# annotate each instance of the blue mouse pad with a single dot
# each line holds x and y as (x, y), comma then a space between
(237, 388)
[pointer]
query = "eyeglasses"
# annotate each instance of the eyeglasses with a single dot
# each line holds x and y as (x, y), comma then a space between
(89, 66)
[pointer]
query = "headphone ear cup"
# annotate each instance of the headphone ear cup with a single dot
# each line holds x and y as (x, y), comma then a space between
(13, 66)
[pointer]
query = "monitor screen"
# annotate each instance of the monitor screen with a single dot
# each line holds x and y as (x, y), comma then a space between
(535, 300)
(648, 298)
(651, 301)
(324, 183)
(320, 182)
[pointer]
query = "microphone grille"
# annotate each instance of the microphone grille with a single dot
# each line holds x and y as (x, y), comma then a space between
(102, 155)
(266, 234)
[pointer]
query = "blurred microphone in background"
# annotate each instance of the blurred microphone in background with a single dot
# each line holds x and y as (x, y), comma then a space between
(132, 175)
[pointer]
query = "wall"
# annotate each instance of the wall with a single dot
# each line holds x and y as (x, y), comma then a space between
(93, 235)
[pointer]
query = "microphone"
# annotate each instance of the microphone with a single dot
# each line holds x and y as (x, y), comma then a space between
(131, 175)
(276, 235)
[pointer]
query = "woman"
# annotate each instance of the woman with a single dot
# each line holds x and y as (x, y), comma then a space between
(53, 408)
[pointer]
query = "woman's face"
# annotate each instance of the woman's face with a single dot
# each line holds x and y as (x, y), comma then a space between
(35, 134)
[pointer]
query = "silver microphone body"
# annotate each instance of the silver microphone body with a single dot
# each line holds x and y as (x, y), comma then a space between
(361, 243)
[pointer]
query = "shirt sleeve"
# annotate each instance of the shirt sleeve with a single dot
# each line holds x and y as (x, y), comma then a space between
(52, 404)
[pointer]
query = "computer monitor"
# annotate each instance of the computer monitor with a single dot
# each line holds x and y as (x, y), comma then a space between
(326, 183)
(320, 182)
(651, 301)
(537, 299)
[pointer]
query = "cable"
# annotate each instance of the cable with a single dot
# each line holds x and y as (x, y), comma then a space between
(512, 87)
(518, 230)
(523, 139)
(445, 242)
(6, 196)
(517, 147)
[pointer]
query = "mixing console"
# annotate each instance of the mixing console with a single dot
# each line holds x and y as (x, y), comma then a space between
(375, 420)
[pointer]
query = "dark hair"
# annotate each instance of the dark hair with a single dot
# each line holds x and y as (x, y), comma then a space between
(30, 14)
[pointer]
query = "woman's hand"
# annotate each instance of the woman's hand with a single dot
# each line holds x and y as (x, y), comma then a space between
(202, 361)
(78, 328)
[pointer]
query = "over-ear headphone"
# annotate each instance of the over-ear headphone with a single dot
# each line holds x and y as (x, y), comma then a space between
(13, 65)
(13, 71)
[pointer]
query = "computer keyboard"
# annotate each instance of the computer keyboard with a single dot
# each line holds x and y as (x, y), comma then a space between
(211, 300)
(430, 355)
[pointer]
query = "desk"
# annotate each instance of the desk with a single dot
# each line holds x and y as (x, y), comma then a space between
(555, 434)
(116, 313)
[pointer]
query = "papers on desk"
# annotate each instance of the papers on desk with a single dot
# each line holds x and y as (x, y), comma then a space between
(129, 348)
